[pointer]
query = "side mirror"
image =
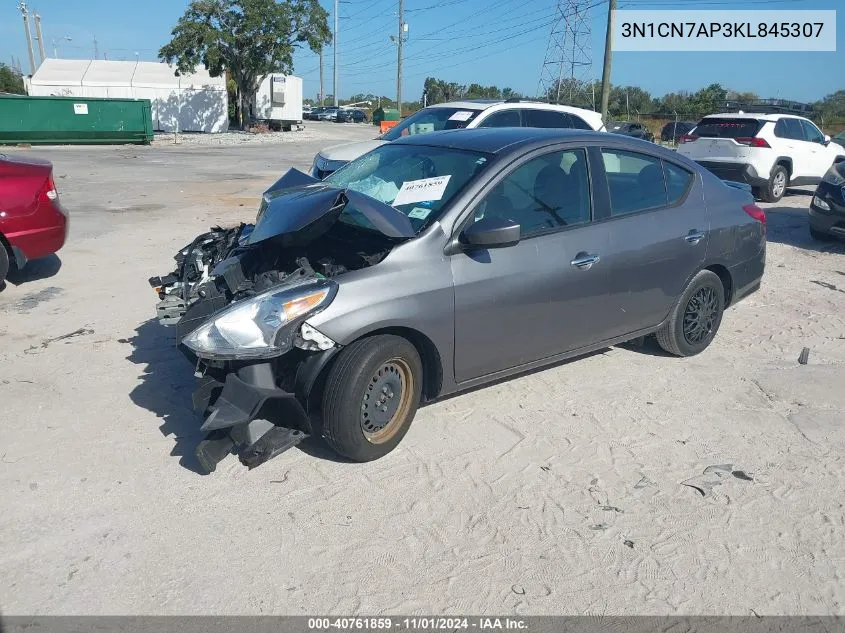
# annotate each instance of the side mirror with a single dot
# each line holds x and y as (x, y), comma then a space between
(826, 140)
(491, 233)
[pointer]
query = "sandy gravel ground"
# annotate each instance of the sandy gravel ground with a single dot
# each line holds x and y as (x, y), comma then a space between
(556, 492)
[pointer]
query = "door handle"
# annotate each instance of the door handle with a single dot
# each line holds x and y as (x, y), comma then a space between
(584, 261)
(694, 237)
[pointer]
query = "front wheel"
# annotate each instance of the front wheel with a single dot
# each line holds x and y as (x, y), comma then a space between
(696, 317)
(371, 396)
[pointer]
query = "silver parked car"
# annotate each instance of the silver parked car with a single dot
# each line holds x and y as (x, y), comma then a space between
(442, 262)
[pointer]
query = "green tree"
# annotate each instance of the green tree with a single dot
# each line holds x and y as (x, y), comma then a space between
(248, 38)
(11, 81)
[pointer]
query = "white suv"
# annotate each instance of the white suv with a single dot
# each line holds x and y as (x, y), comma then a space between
(463, 114)
(768, 151)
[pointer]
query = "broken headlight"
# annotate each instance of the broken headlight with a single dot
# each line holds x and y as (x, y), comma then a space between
(261, 326)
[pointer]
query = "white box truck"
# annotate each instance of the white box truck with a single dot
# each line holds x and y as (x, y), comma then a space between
(278, 101)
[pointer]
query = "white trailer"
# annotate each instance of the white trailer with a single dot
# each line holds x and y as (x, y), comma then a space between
(278, 101)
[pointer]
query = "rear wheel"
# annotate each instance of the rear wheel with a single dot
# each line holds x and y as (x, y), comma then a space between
(4, 264)
(371, 396)
(696, 317)
(774, 189)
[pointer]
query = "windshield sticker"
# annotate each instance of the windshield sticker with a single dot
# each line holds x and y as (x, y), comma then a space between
(461, 115)
(421, 190)
(419, 213)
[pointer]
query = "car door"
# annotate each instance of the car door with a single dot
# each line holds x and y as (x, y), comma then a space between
(657, 227)
(821, 155)
(545, 295)
(797, 147)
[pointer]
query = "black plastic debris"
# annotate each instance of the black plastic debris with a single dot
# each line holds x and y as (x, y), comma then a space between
(805, 356)
(628, 543)
(713, 476)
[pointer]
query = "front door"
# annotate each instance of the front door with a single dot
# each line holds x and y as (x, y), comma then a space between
(545, 295)
(658, 229)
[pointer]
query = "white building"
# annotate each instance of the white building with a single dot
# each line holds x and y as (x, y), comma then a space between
(189, 103)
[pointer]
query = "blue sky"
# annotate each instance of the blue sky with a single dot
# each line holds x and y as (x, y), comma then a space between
(501, 42)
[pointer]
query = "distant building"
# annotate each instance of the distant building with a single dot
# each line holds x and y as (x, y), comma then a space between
(190, 103)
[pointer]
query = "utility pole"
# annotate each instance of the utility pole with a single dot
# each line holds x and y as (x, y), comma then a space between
(399, 57)
(96, 50)
(334, 47)
(25, 13)
(608, 53)
(40, 37)
(322, 94)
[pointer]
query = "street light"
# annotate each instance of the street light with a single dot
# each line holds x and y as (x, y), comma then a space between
(56, 48)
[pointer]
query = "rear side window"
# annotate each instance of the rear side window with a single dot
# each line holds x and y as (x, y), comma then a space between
(678, 181)
(503, 118)
(547, 119)
(720, 127)
(578, 123)
(789, 128)
(635, 181)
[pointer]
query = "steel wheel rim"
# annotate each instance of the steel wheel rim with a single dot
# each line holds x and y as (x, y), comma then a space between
(386, 400)
(779, 184)
(700, 315)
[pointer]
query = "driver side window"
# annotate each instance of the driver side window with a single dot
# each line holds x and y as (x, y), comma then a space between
(546, 193)
(812, 132)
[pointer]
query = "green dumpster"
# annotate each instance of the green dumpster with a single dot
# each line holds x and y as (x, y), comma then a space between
(74, 120)
(385, 114)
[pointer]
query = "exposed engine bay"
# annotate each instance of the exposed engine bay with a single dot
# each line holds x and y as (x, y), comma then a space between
(239, 298)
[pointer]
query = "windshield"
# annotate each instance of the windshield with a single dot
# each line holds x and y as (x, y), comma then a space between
(431, 120)
(418, 181)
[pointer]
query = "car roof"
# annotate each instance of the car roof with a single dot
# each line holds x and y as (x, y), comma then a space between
(499, 140)
(760, 116)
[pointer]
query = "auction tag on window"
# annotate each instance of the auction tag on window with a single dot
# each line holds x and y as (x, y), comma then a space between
(461, 115)
(421, 190)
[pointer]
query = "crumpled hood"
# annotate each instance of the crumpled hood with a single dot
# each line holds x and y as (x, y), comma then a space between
(349, 151)
(300, 208)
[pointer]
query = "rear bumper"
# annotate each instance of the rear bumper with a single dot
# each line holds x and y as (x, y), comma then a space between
(738, 172)
(46, 236)
(747, 276)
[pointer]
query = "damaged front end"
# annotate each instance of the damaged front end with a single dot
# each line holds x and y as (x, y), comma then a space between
(240, 298)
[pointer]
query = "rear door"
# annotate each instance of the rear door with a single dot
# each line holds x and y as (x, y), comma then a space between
(545, 295)
(795, 146)
(658, 229)
(717, 139)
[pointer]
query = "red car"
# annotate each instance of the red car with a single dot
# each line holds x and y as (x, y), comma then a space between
(33, 223)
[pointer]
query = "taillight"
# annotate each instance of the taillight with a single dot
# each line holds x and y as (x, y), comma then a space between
(49, 192)
(755, 212)
(687, 138)
(752, 141)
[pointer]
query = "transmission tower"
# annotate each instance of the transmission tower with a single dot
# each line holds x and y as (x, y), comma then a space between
(568, 62)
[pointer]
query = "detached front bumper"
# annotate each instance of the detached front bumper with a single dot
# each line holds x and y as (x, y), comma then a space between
(245, 412)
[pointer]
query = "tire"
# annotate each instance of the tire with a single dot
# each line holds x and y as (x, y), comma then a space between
(4, 264)
(819, 235)
(774, 190)
(352, 425)
(680, 335)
